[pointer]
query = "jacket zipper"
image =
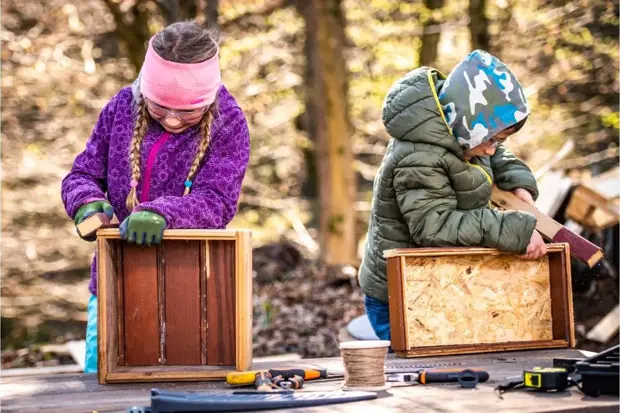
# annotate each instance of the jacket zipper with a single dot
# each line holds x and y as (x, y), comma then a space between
(150, 161)
(486, 174)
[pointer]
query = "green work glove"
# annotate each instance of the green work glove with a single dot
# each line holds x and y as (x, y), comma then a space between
(91, 208)
(143, 228)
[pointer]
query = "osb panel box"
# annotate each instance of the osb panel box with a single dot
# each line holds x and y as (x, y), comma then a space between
(474, 300)
(178, 311)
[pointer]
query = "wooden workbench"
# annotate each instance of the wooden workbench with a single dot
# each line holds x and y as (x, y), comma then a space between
(73, 393)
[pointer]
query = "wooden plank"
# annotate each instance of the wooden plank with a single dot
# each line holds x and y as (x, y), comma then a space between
(93, 223)
(204, 275)
(243, 301)
(592, 209)
(107, 268)
(443, 251)
(79, 393)
(553, 189)
(568, 285)
(580, 247)
(120, 304)
(182, 302)
(607, 328)
(396, 303)
(607, 184)
(221, 304)
(141, 305)
(157, 374)
(180, 234)
(480, 348)
(559, 298)
(41, 371)
(102, 311)
(161, 303)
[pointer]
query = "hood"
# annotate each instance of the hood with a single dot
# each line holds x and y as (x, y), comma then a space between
(480, 98)
(412, 112)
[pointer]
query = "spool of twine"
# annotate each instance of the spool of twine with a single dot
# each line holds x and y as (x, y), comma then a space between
(364, 364)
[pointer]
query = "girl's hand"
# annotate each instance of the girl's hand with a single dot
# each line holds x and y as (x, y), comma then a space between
(524, 195)
(89, 209)
(143, 228)
(536, 248)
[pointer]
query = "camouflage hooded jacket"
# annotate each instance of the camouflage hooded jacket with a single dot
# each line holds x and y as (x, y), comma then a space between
(425, 194)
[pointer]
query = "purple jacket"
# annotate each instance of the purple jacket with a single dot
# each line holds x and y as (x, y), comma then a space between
(102, 171)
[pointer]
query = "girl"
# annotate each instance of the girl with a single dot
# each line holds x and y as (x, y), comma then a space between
(169, 152)
(434, 184)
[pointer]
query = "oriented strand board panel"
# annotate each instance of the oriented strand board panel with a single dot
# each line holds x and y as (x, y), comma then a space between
(471, 299)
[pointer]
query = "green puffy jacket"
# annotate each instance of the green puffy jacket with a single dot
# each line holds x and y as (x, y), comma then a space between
(426, 195)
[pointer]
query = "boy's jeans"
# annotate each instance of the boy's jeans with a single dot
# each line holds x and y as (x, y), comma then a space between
(379, 316)
(90, 362)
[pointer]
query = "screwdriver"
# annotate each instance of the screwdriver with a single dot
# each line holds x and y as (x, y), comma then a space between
(247, 377)
(449, 375)
(466, 377)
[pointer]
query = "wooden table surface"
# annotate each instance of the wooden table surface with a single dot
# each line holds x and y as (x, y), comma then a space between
(73, 393)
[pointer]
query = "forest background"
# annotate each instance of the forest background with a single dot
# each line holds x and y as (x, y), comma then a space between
(311, 77)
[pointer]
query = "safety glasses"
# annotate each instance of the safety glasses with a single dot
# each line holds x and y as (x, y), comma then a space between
(185, 116)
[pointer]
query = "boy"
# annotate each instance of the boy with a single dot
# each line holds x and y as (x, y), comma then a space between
(434, 185)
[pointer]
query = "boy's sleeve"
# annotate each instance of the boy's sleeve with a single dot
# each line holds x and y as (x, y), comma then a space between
(428, 203)
(86, 182)
(212, 202)
(511, 173)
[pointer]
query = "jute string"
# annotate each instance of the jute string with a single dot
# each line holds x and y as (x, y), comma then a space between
(364, 367)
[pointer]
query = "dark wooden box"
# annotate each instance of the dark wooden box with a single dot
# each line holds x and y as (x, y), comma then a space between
(475, 300)
(181, 310)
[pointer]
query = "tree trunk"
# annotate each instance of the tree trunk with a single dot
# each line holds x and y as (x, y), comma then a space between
(329, 128)
(133, 34)
(213, 14)
(170, 10)
(431, 35)
(479, 25)
(189, 9)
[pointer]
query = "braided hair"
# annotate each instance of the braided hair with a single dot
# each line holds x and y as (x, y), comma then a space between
(183, 42)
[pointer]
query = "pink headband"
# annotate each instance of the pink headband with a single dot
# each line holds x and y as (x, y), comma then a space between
(179, 85)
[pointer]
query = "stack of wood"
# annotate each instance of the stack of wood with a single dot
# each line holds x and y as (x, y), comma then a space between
(590, 207)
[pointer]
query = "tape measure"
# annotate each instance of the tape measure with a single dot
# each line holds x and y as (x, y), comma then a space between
(546, 379)
(540, 379)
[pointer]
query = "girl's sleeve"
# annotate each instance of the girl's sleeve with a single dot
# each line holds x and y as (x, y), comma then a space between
(86, 182)
(212, 203)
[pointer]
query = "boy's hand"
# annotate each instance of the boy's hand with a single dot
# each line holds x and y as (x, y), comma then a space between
(524, 195)
(536, 248)
(143, 228)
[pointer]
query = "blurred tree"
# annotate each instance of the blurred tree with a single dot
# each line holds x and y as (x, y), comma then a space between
(431, 33)
(478, 25)
(212, 14)
(170, 10)
(329, 127)
(132, 29)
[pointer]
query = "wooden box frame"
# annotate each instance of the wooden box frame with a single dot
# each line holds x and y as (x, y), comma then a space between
(562, 322)
(200, 252)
